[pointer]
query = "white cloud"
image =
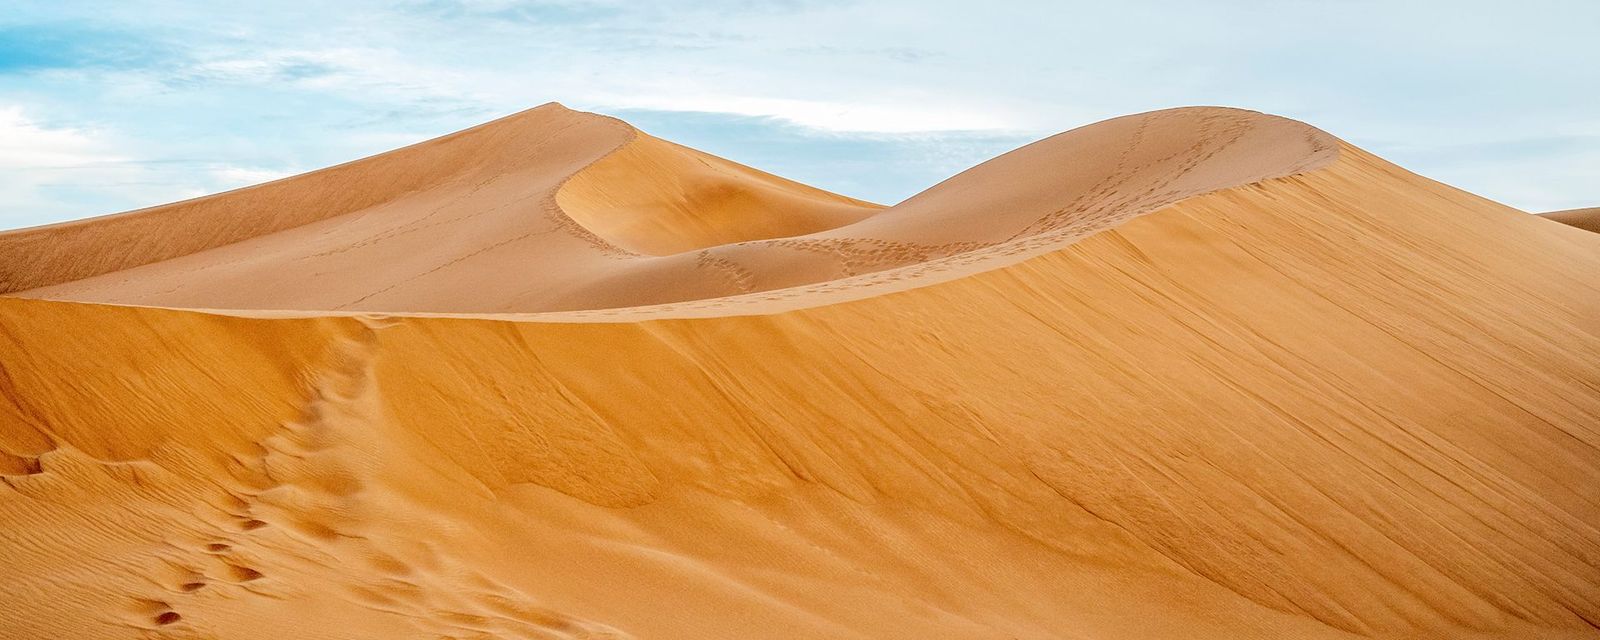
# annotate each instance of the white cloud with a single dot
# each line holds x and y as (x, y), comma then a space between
(27, 144)
(39, 162)
(230, 177)
(54, 173)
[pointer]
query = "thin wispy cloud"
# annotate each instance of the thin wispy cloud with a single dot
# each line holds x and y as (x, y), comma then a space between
(788, 86)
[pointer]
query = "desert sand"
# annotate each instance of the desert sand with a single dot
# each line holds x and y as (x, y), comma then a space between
(1586, 219)
(1195, 373)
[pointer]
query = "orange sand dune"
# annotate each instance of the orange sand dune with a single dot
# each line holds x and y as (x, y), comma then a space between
(556, 210)
(1199, 373)
(1586, 219)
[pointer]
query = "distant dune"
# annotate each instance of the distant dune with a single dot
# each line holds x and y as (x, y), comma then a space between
(595, 215)
(1586, 219)
(1194, 373)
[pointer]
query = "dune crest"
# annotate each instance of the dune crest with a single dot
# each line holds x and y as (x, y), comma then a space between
(555, 210)
(1199, 373)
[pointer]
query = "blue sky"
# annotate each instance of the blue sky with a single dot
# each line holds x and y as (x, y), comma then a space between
(115, 105)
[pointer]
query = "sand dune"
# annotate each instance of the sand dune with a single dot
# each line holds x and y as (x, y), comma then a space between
(1198, 373)
(1586, 219)
(555, 210)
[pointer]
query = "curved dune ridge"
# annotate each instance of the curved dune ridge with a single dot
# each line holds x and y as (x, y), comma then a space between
(557, 210)
(1197, 373)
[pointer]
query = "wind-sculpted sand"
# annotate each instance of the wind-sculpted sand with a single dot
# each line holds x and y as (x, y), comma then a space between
(1198, 373)
(557, 210)
(1586, 219)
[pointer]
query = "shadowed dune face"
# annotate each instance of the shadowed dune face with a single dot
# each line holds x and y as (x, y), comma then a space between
(653, 197)
(1586, 219)
(1192, 374)
(589, 214)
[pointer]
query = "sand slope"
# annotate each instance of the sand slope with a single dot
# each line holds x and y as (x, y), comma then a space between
(1218, 375)
(555, 210)
(1586, 219)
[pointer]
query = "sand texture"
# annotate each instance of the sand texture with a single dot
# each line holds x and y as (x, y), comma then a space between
(1196, 373)
(1586, 219)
